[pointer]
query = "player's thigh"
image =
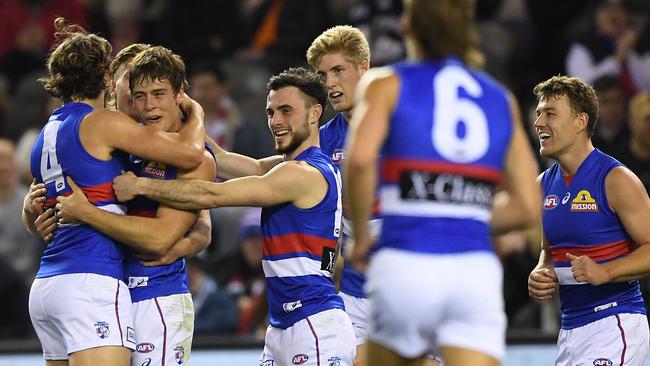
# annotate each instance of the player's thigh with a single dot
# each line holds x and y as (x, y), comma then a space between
(165, 327)
(454, 356)
(101, 356)
(378, 355)
(56, 363)
(83, 311)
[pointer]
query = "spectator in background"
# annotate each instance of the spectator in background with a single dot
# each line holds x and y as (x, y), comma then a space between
(19, 251)
(16, 245)
(244, 279)
(26, 33)
(224, 122)
(379, 20)
(280, 30)
(611, 47)
(635, 154)
(611, 129)
(214, 311)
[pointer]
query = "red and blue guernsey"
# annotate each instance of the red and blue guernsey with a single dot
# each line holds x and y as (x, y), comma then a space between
(164, 280)
(577, 219)
(332, 143)
(57, 154)
(443, 156)
(300, 250)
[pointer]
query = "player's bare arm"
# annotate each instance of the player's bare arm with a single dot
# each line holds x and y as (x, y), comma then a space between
(375, 101)
(292, 181)
(518, 205)
(107, 130)
(188, 246)
(147, 235)
(542, 281)
(232, 165)
(629, 199)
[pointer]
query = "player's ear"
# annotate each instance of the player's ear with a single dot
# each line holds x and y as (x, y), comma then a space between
(315, 112)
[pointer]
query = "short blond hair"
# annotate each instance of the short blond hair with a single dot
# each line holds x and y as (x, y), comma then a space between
(348, 40)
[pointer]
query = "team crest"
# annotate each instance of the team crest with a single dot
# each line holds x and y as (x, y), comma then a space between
(550, 202)
(334, 361)
(179, 353)
(102, 329)
(584, 202)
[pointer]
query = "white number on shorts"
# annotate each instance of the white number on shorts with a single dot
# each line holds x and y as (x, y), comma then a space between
(50, 169)
(451, 109)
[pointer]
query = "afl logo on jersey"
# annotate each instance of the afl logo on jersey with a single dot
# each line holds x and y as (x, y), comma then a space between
(584, 203)
(337, 156)
(551, 202)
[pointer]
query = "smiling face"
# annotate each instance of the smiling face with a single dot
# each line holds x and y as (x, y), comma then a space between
(288, 118)
(557, 126)
(156, 104)
(341, 77)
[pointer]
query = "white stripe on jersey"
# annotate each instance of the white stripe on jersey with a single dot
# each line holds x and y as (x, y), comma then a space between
(116, 209)
(292, 267)
(374, 226)
(393, 204)
(565, 276)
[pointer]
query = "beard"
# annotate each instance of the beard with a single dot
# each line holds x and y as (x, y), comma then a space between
(299, 136)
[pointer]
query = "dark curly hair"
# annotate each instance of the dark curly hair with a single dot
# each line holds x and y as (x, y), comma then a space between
(78, 65)
(582, 96)
(158, 63)
(309, 83)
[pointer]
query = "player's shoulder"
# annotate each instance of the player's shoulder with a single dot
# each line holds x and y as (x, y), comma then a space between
(108, 117)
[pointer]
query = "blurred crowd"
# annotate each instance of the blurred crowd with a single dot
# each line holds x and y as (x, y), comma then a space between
(231, 47)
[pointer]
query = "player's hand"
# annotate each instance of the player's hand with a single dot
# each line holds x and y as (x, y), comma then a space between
(189, 105)
(124, 186)
(34, 201)
(542, 283)
(71, 208)
(46, 223)
(586, 270)
(359, 249)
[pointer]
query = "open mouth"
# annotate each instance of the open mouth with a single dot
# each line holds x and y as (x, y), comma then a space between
(280, 134)
(153, 119)
(543, 136)
(335, 96)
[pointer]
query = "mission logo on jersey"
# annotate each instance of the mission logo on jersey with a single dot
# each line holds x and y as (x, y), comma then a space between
(584, 203)
(155, 170)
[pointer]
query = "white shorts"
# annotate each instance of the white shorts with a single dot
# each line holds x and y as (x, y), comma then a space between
(620, 339)
(325, 338)
(165, 327)
(357, 309)
(420, 302)
(79, 311)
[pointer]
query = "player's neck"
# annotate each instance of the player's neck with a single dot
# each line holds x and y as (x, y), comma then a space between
(348, 114)
(571, 160)
(178, 122)
(96, 103)
(312, 140)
